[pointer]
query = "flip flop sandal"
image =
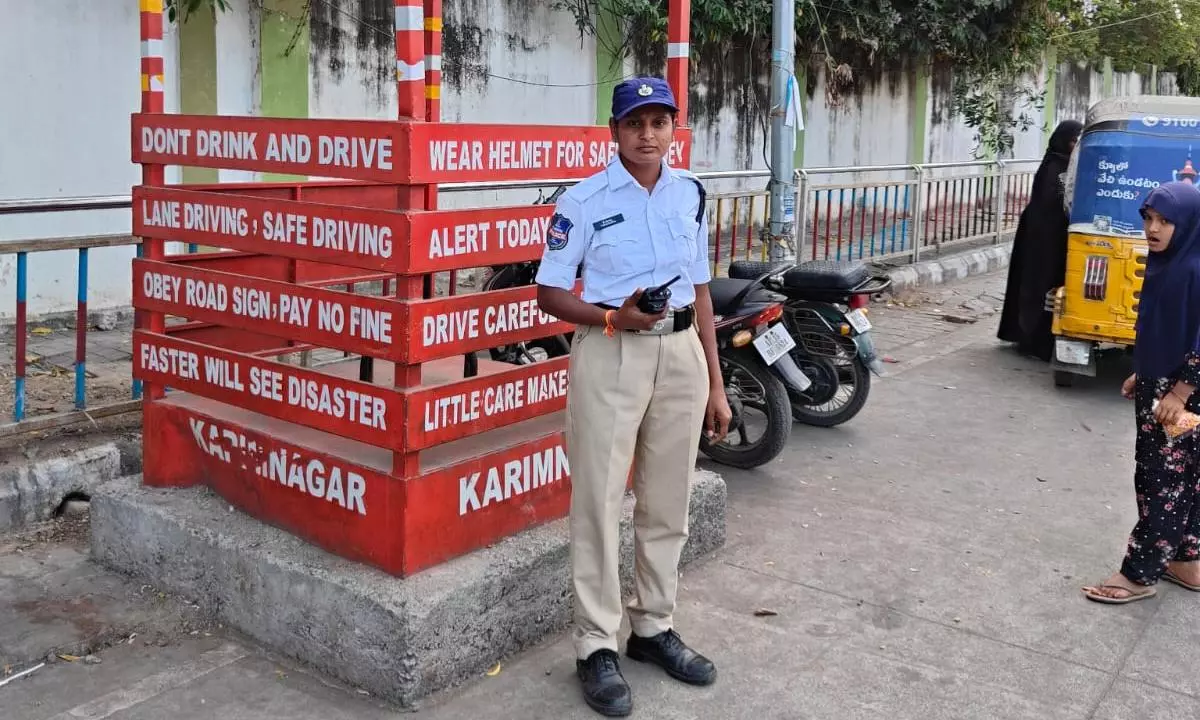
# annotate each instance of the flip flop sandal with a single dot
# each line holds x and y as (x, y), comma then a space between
(1171, 577)
(1132, 597)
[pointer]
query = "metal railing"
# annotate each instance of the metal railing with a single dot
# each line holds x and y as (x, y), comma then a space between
(885, 212)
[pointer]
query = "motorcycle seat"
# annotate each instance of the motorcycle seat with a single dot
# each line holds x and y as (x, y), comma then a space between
(750, 269)
(723, 292)
(826, 275)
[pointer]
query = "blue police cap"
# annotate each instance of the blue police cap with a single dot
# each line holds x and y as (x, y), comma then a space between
(638, 92)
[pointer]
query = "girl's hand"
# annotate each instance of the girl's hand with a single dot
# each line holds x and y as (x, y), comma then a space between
(1170, 409)
(1130, 384)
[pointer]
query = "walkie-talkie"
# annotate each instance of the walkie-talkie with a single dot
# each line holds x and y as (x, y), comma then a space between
(654, 300)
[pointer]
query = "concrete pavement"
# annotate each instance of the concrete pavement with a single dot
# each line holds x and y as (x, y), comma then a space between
(923, 561)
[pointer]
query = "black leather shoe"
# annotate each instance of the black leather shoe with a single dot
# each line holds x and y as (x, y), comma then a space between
(604, 688)
(668, 652)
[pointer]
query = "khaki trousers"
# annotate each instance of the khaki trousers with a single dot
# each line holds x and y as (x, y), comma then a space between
(636, 399)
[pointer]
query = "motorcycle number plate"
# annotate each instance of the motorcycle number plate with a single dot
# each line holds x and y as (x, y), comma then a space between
(858, 320)
(774, 343)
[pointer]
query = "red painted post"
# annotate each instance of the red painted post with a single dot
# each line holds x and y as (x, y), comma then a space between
(433, 93)
(410, 93)
(151, 26)
(679, 32)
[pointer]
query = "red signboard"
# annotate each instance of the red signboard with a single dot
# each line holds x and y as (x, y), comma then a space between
(468, 506)
(439, 414)
(444, 327)
(333, 493)
(454, 239)
(349, 508)
(347, 149)
(341, 235)
(326, 318)
(360, 237)
(391, 151)
(350, 408)
(456, 152)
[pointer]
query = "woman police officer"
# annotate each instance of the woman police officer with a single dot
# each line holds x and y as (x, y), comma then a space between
(642, 386)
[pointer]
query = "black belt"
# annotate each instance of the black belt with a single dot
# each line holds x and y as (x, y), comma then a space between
(683, 318)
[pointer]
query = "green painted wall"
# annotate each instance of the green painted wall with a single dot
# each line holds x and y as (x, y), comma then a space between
(198, 76)
(608, 63)
(919, 117)
(283, 63)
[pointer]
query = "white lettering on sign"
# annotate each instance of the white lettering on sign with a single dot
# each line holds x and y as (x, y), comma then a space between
(278, 386)
(171, 361)
(473, 155)
(467, 238)
(516, 477)
(464, 239)
(458, 325)
(455, 155)
(205, 217)
(551, 386)
(449, 327)
(289, 147)
(522, 315)
(286, 228)
(227, 144)
(523, 232)
(209, 295)
(157, 286)
(494, 400)
(353, 237)
(342, 487)
(600, 153)
(161, 213)
(354, 152)
(342, 403)
(366, 323)
(518, 155)
(166, 141)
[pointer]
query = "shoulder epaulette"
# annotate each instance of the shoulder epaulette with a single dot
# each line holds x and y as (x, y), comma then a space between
(588, 187)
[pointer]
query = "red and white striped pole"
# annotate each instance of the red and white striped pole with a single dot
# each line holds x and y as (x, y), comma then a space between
(151, 24)
(679, 32)
(410, 94)
(433, 60)
(433, 94)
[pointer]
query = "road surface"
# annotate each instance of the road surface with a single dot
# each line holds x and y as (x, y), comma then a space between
(922, 562)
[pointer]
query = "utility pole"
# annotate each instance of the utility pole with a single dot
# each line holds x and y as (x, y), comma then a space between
(783, 134)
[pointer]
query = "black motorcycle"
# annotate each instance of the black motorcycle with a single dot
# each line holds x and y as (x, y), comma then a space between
(754, 349)
(825, 311)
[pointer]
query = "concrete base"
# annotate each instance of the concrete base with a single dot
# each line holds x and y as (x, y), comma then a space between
(398, 639)
(30, 491)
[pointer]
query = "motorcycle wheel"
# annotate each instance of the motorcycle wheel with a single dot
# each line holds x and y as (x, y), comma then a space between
(833, 413)
(749, 382)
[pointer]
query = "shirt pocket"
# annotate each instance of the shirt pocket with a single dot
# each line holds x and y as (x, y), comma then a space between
(683, 236)
(615, 254)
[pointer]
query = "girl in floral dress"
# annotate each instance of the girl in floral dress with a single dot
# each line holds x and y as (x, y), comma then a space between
(1165, 543)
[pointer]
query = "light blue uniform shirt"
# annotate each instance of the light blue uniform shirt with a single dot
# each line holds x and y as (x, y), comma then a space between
(627, 238)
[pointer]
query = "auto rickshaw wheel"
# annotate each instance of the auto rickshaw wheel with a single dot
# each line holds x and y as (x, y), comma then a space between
(1064, 379)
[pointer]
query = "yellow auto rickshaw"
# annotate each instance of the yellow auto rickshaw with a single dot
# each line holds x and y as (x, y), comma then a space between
(1129, 146)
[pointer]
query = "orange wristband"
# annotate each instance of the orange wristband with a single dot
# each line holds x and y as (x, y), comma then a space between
(609, 328)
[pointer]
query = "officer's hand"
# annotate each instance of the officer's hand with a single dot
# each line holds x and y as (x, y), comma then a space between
(630, 318)
(717, 416)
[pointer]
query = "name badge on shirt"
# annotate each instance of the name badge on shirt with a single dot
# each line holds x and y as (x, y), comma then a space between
(608, 222)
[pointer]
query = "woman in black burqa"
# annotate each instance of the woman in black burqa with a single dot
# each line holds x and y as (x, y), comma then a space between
(1039, 253)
